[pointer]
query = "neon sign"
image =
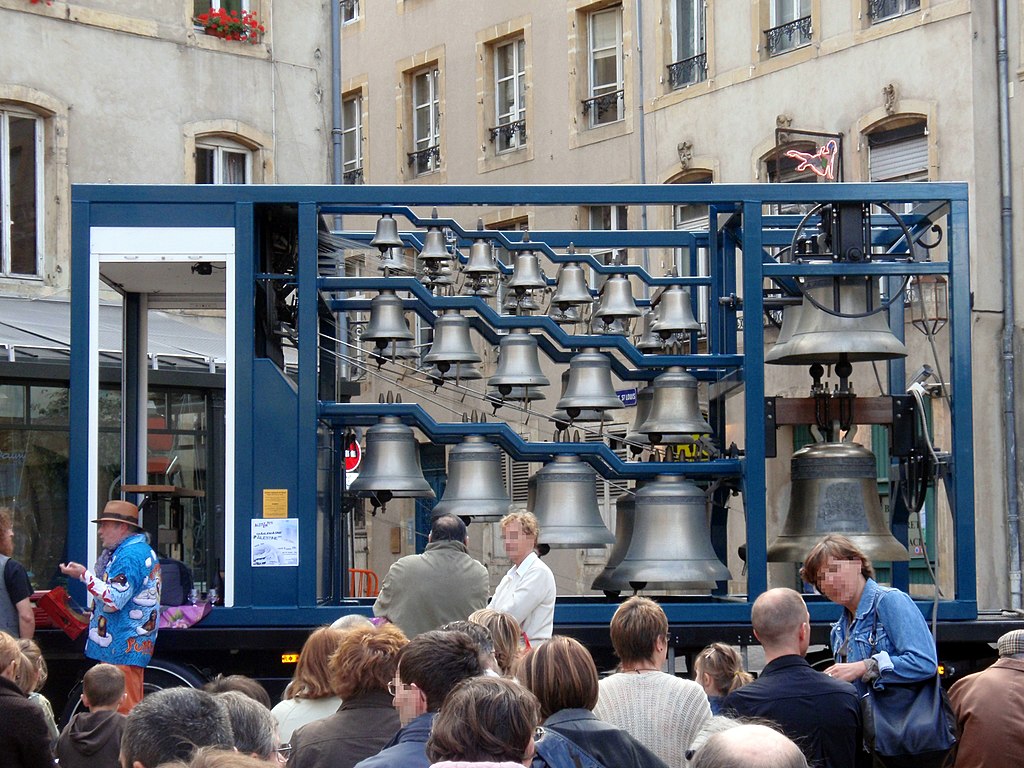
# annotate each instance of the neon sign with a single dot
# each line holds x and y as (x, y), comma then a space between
(821, 163)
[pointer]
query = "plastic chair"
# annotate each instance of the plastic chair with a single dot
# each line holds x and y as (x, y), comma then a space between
(363, 582)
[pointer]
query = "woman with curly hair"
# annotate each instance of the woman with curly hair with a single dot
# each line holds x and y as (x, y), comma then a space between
(506, 636)
(361, 668)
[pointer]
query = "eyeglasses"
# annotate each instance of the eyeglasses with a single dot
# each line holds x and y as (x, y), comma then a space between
(284, 752)
(394, 688)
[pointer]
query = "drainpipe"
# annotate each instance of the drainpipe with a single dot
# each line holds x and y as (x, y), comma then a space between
(646, 258)
(337, 163)
(1009, 314)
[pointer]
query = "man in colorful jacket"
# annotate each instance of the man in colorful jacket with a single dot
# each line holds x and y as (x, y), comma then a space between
(125, 587)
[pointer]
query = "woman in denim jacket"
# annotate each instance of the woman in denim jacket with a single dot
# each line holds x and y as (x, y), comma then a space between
(881, 636)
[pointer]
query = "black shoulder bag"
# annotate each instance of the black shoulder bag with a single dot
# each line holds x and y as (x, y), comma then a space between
(907, 724)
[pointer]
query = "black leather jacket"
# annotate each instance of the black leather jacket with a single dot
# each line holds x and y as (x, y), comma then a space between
(604, 742)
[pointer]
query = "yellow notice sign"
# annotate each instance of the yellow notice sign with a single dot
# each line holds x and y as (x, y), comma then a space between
(275, 502)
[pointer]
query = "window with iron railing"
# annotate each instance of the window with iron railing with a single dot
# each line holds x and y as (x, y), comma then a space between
(790, 26)
(426, 122)
(509, 96)
(883, 10)
(690, 64)
(606, 82)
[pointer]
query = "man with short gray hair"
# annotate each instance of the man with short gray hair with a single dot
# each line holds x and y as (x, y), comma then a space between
(989, 708)
(819, 713)
(749, 746)
(171, 725)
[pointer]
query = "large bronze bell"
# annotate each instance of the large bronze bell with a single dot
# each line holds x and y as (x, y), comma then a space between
(386, 235)
(481, 259)
(649, 342)
(526, 273)
(671, 544)
(589, 385)
(387, 321)
(571, 287)
(674, 313)
(625, 513)
(635, 439)
(617, 302)
(392, 463)
(516, 301)
(675, 415)
(565, 504)
(567, 316)
(474, 486)
(451, 342)
(835, 490)
(518, 363)
(821, 337)
(434, 247)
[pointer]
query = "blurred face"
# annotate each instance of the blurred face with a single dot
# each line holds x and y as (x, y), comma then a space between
(408, 700)
(841, 580)
(518, 545)
(7, 541)
(111, 534)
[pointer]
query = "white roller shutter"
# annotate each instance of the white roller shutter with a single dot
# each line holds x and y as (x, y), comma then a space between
(902, 160)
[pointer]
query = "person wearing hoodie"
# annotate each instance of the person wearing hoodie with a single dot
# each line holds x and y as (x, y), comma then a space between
(93, 739)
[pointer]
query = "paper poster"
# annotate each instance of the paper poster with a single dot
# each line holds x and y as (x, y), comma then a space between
(275, 502)
(275, 542)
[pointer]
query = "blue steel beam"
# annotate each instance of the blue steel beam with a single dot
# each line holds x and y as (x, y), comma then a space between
(598, 455)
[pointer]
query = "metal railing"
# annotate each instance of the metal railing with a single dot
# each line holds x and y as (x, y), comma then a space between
(599, 105)
(425, 160)
(785, 37)
(355, 176)
(880, 10)
(508, 131)
(688, 71)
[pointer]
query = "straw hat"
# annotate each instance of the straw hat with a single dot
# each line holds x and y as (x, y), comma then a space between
(117, 511)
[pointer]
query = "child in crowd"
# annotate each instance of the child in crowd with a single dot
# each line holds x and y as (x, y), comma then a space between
(32, 678)
(93, 739)
(719, 670)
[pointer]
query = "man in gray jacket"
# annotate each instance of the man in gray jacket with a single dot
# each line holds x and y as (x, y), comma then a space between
(422, 592)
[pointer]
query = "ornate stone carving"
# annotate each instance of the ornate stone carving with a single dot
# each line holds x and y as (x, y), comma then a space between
(685, 150)
(891, 97)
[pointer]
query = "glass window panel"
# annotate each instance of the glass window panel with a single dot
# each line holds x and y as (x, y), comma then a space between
(234, 168)
(48, 405)
(12, 403)
(604, 27)
(22, 156)
(689, 29)
(605, 73)
(204, 165)
(110, 408)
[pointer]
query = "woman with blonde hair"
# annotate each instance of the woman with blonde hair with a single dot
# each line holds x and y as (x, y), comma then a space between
(506, 636)
(32, 678)
(310, 695)
(719, 670)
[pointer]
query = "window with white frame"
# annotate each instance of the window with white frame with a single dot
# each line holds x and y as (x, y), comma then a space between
(222, 161)
(790, 26)
(608, 217)
(352, 139)
(426, 121)
(605, 103)
(883, 10)
(694, 262)
(509, 95)
(690, 62)
(349, 11)
(21, 193)
(205, 6)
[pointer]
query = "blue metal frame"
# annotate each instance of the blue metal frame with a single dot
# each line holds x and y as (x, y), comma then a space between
(740, 225)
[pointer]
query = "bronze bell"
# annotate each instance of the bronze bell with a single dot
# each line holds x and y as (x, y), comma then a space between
(585, 416)
(616, 302)
(649, 342)
(451, 342)
(625, 513)
(671, 544)
(387, 321)
(392, 463)
(518, 363)
(571, 287)
(821, 337)
(674, 313)
(474, 487)
(526, 273)
(790, 320)
(386, 235)
(589, 385)
(675, 415)
(434, 247)
(565, 504)
(835, 490)
(635, 439)
(481, 259)
(566, 316)
(520, 300)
